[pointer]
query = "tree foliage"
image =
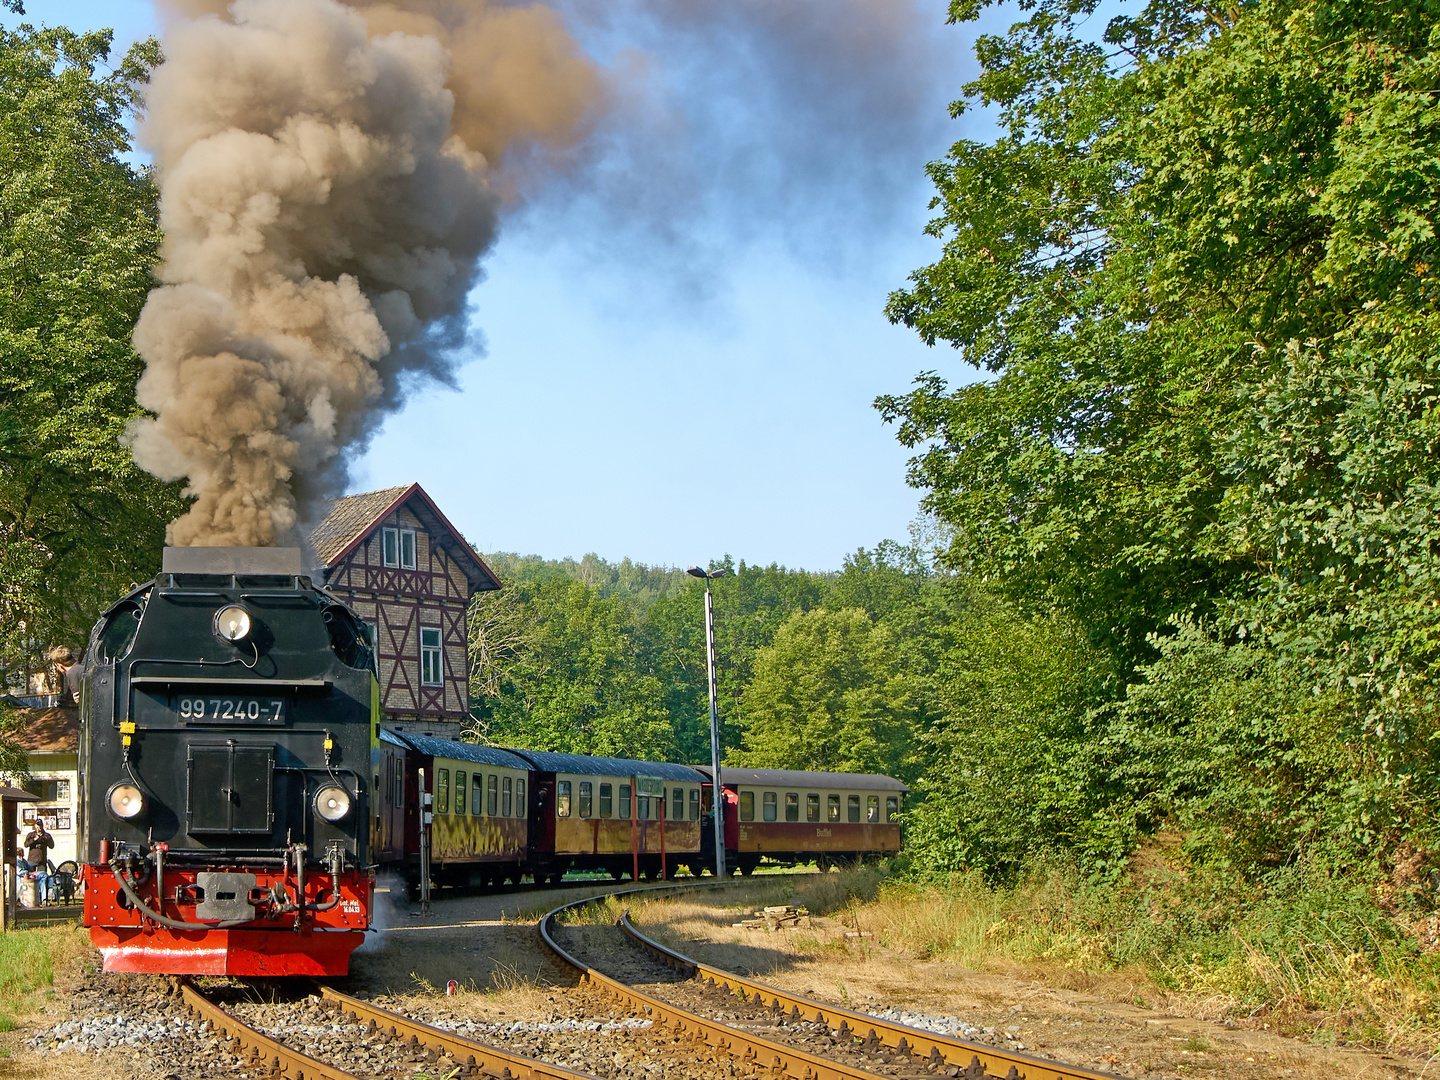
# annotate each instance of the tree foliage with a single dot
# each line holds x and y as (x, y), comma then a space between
(1196, 270)
(828, 694)
(558, 669)
(568, 656)
(78, 238)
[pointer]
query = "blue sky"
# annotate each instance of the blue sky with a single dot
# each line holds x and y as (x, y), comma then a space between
(682, 338)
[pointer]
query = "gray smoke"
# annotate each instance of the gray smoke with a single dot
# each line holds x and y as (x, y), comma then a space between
(323, 225)
(332, 173)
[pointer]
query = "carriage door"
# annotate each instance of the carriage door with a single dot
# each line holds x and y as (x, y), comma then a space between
(542, 812)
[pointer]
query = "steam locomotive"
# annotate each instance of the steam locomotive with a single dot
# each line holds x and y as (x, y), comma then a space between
(240, 794)
(229, 714)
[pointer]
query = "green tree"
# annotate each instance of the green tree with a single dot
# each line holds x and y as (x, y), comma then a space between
(556, 667)
(828, 693)
(78, 238)
(1016, 764)
(1249, 764)
(750, 605)
(1197, 271)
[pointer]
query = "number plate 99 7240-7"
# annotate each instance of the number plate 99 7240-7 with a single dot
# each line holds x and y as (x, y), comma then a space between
(229, 710)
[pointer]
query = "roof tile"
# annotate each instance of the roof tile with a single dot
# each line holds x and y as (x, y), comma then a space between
(347, 518)
(47, 731)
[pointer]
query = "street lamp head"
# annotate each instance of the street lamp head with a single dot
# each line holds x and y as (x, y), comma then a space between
(695, 571)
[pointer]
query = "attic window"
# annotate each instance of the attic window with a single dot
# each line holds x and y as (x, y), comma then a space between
(407, 549)
(390, 546)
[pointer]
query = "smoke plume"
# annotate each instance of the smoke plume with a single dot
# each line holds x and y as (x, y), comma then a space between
(332, 171)
(326, 194)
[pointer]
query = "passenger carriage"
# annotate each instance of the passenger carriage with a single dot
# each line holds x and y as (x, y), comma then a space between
(479, 832)
(795, 816)
(611, 814)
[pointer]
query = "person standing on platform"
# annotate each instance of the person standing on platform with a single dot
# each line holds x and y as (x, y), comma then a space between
(38, 843)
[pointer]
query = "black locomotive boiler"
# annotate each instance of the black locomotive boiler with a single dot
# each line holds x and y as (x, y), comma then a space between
(229, 717)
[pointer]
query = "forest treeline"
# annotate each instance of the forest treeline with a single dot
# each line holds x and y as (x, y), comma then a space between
(891, 664)
(816, 670)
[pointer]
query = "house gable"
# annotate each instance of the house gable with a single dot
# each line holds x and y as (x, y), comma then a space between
(417, 613)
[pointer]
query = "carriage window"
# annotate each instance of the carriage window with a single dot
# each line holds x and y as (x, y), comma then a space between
(442, 791)
(853, 806)
(747, 806)
(832, 807)
(792, 806)
(892, 806)
(477, 795)
(769, 809)
(624, 800)
(677, 803)
(812, 807)
(586, 798)
(520, 798)
(459, 792)
(872, 809)
(642, 807)
(606, 792)
(694, 804)
(492, 795)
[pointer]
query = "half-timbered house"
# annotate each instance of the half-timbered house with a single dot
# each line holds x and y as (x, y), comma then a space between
(396, 559)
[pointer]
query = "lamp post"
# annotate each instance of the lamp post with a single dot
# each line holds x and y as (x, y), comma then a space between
(718, 802)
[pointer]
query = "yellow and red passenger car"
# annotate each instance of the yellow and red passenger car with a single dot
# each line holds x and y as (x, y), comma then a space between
(479, 832)
(794, 816)
(612, 814)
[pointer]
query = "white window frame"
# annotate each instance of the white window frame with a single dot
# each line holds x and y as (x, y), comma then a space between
(408, 534)
(432, 658)
(390, 546)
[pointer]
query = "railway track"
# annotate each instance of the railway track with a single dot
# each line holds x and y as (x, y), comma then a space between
(456, 1055)
(643, 1009)
(852, 1045)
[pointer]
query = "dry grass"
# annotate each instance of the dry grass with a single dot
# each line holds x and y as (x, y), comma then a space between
(1302, 977)
(31, 958)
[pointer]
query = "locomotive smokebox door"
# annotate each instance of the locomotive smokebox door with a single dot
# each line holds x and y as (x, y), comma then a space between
(230, 789)
(227, 896)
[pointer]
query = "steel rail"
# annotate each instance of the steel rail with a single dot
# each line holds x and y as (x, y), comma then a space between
(939, 1050)
(781, 1060)
(273, 1055)
(475, 1056)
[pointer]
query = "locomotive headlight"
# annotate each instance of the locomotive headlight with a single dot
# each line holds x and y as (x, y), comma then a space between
(232, 623)
(125, 801)
(332, 803)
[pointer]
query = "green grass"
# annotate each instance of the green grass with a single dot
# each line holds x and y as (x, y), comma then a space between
(29, 958)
